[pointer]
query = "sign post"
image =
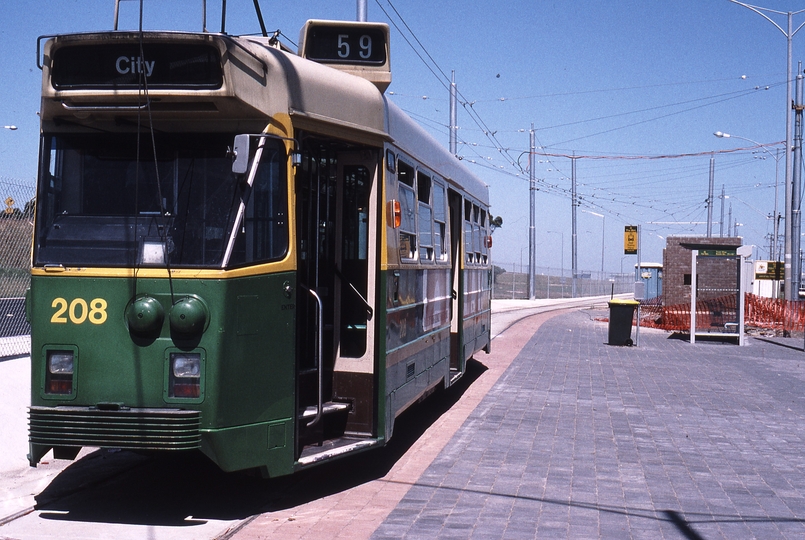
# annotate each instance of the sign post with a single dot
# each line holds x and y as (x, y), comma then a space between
(631, 246)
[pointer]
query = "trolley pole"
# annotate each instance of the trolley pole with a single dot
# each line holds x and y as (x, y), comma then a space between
(453, 121)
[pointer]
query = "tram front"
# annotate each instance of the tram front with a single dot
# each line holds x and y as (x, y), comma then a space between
(161, 298)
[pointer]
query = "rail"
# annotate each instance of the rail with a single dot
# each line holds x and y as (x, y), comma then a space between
(319, 354)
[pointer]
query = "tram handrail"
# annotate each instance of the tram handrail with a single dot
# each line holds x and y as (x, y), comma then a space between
(320, 353)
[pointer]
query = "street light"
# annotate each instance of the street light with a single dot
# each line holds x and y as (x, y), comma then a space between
(722, 135)
(789, 185)
(12, 128)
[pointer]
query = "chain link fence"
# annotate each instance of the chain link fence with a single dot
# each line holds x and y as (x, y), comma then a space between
(16, 230)
(511, 282)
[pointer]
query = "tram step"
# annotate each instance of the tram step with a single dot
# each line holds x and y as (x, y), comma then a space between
(333, 449)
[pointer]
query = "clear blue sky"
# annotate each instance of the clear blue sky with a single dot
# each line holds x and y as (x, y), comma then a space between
(615, 80)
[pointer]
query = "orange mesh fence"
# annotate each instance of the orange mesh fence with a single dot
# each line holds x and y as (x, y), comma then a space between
(721, 312)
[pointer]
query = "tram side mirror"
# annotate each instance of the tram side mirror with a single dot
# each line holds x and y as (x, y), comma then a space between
(240, 158)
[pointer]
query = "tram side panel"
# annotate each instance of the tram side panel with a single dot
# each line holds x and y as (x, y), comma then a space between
(425, 272)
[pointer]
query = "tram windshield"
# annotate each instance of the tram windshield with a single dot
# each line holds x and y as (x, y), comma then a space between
(112, 200)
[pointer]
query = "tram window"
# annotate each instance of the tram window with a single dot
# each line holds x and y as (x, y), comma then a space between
(356, 214)
(408, 247)
(423, 187)
(476, 241)
(97, 191)
(469, 253)
(425, 217)
(425, 233)
(391, 161)
(264, 237)
(439, 223)
(354, 252)
(405, 174)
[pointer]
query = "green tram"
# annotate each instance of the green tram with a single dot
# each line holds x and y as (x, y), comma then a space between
(242, 250)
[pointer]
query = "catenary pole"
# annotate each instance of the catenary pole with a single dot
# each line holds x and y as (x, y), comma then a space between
(796, 196)
(710, 198)
(574, 242)
(532, 231)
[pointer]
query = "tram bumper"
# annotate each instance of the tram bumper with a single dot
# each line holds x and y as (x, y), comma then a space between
(66, 429)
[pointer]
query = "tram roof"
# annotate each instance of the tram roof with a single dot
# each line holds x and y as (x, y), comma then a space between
(414, 140)
(321, 93)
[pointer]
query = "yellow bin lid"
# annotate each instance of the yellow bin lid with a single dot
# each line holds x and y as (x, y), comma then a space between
(623, 302)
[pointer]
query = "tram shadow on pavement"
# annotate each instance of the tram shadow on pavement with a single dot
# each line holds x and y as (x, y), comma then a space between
(188, 489)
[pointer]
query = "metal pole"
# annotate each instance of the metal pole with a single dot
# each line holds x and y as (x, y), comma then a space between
(729, 223)
(710, 198)
(775, 253)
(362, 11)
(574, 254)
(640, 279)
(721, 221)
(693, 254)
(532, 232)
(789, 293)
(796, 197)
(603, 237)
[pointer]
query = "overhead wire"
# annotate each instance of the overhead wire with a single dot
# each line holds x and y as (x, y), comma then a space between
(599, 193)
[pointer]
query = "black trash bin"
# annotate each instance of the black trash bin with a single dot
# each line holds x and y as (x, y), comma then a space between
(621, 313)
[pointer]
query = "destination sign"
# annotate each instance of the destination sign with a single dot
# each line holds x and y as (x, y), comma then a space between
(347, 43)
(125, 65)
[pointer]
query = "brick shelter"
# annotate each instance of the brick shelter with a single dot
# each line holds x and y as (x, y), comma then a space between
(715, 276)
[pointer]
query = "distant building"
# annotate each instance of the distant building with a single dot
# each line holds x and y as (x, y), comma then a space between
(715, 276)
(651, 275)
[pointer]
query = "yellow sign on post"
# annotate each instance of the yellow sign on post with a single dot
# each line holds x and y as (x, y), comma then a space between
(630, 240)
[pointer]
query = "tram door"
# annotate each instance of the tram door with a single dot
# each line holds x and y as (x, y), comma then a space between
(337, 222)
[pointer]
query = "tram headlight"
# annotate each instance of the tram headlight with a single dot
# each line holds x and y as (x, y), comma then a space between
(59, 375)
(185, 375)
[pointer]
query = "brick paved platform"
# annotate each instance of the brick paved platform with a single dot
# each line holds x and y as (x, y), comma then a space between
(579, 439)
(566, 437)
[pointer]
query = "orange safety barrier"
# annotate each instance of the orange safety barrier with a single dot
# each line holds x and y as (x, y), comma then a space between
(714, 313)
